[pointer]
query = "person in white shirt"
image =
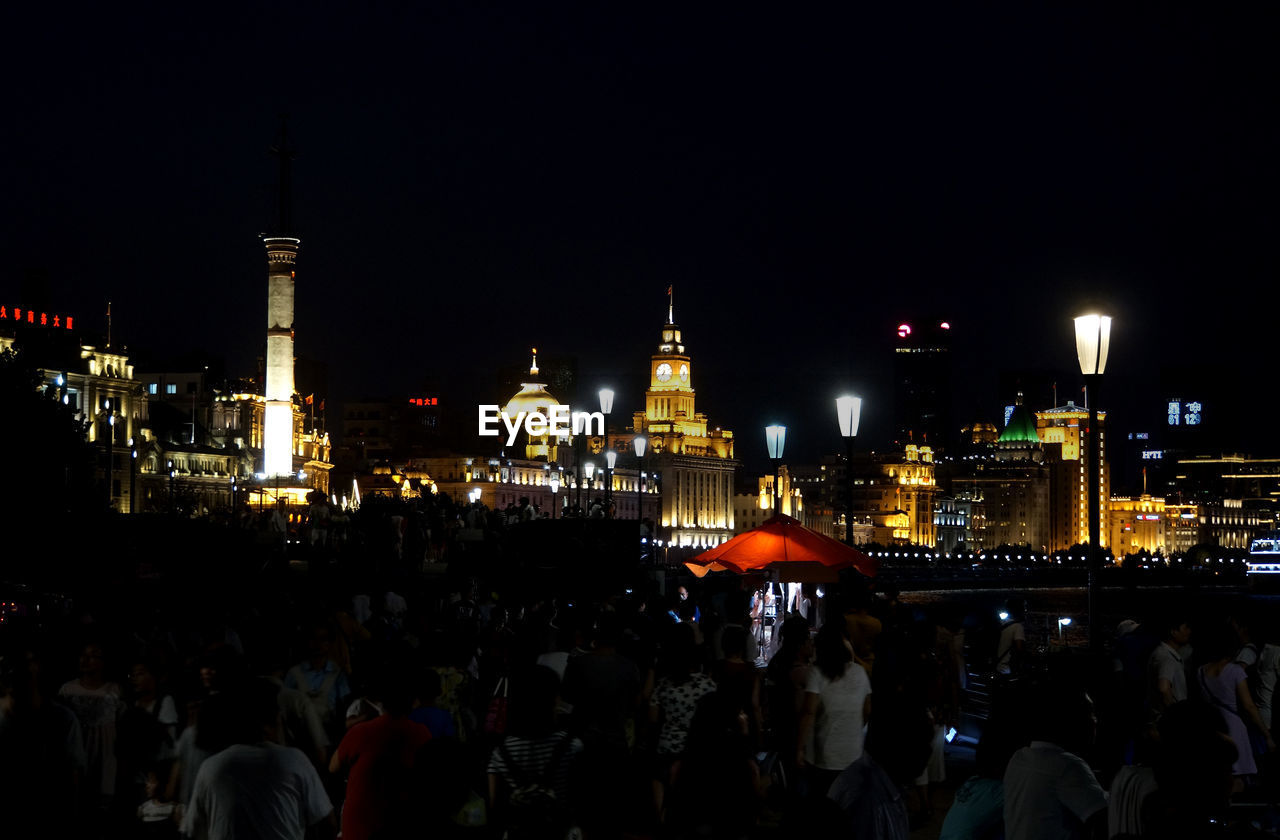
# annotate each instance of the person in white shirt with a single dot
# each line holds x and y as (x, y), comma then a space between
(257, 788)
(1050, 793)
(837, 702)
(1166, 673)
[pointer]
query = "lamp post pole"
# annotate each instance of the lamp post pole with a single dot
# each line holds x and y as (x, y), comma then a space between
(577, 466)
(555, 488)
(775, 437)
(110, 433)
(1094, 476)
(610, 458)
(848, 413)
(1093, 340)
(133, 475)
(640, 442)
(606, 408)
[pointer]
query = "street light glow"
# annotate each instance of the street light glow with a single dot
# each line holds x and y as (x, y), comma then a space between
(776, 439)
(1093, 340)
(848, 412)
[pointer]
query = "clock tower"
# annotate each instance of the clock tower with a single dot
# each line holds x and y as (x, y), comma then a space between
(696, 464)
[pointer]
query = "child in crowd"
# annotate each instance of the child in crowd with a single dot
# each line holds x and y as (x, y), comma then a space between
(157, 815)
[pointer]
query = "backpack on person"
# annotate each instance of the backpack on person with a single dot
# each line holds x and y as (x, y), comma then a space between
(534, 810)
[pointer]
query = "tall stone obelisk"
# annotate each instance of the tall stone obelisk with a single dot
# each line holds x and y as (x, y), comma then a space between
(282, 256)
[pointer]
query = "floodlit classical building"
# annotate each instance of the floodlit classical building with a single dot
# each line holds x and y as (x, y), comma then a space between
(895, 494)
(694, 460)
(543, 470)
(1137, 524)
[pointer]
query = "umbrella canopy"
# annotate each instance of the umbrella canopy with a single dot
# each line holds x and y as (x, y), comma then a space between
(783, 545)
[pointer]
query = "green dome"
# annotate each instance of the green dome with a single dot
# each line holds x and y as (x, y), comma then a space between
(1021, 427)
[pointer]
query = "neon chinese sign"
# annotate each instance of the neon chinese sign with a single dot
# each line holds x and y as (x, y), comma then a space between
(18, 315)
(424, 401)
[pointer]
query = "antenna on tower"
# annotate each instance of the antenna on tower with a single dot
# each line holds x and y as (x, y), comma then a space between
(108, 324)
(286, 153)
(671, 305)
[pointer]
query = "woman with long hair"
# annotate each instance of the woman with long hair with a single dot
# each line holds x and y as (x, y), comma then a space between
(1224, 685)
(837, 703)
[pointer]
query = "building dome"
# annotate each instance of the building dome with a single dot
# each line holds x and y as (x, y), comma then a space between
(1021, 427)
(533, 395)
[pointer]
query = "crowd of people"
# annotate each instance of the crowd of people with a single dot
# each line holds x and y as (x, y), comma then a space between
(415, 707)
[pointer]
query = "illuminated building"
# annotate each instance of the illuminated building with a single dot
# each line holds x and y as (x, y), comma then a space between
(502, 478)
(960, 522)
(1256, 481)
(980, 434)
(922, 385)
(895, 494)
(1007, 487)
(1137, 524)
(1066, 427)
(1181, 528)
(695, 462)
(101, 386)
(752, 509)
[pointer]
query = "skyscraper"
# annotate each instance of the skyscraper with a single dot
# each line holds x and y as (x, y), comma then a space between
(922, 385)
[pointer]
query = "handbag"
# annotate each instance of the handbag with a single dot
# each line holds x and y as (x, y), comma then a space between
(495, 717)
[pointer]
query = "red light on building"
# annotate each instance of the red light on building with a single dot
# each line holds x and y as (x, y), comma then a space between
(904, 330)
(424, 401)
(946, 325)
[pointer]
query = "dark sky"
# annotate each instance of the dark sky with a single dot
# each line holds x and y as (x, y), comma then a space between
(473, 179)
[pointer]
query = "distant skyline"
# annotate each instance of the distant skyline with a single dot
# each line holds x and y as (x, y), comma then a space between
(473, 181)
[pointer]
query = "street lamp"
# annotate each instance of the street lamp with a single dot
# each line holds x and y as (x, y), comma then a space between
(133, 476)
(554, 481)
(848, 413)
(111, 455)
(1093, 341)
(1062, 622)
(606, 408)
(639, 442)
(610, 458)
(775, 437)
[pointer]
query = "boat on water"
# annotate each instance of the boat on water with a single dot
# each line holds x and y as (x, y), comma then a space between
(1264, 557)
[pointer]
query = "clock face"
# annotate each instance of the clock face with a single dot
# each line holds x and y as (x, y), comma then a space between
(664, 372)
(684, 373)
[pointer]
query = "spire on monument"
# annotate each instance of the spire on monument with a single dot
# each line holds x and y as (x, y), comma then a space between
(533, 368)
(671, 305)
(284, 221)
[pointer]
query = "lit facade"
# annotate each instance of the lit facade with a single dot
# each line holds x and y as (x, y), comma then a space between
(695, 462)
(278, 425)
(895, 494)
(105, 393)
(1067, 427)
(1137, 524)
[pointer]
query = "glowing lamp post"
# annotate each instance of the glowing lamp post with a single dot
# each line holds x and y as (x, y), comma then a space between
(606, 408)
(775, 438)
(1093, 341)
(848, 413)
(639, 442)
(1062, 622)
(555, 488)
(610, 458)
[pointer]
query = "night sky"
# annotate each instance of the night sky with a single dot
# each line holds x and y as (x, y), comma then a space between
(473, 179)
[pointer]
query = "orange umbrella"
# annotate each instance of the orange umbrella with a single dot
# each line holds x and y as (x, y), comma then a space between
(782, 544)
